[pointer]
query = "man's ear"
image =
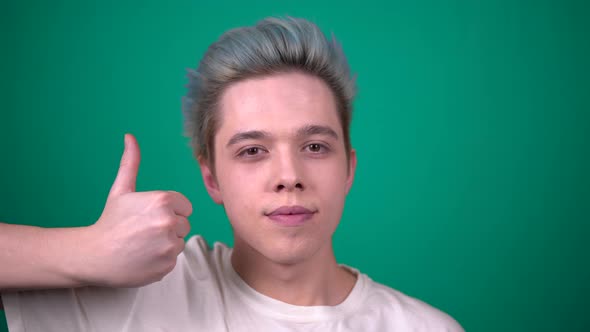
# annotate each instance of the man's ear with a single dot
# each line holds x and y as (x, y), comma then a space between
(351, 169)
(209, 180)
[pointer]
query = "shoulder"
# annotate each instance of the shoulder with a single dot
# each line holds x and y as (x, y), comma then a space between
(198, 264)
(199, 255)
(409, 311)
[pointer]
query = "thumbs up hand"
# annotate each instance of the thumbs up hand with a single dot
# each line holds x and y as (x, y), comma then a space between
(140, 234)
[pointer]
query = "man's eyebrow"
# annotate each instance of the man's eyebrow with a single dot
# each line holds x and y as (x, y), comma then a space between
(305, 131)
(310, 130)
(247, 135)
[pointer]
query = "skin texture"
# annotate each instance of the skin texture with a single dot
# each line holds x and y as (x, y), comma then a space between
(280, 143)
(139, 235)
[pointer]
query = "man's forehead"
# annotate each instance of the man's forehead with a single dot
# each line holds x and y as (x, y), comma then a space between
(290, 90)
(279, 103)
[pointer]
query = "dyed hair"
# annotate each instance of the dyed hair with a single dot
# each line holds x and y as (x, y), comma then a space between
(273, 45)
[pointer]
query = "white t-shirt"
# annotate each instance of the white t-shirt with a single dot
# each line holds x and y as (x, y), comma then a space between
(204, 293)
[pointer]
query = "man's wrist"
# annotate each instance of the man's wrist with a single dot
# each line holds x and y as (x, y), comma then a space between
(72, 257)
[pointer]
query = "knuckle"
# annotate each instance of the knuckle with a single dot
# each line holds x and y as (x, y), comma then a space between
(163, 222)
(187, 225)
(168, 221)
(162, 198)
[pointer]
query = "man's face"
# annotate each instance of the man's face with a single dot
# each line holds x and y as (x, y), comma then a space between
(281, 169)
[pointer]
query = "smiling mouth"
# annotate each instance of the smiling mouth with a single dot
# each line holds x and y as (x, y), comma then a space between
(290, 216)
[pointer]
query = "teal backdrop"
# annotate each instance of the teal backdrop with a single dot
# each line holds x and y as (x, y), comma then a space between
(471, 126)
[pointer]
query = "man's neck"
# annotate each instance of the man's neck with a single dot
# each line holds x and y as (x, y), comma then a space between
(318, 280)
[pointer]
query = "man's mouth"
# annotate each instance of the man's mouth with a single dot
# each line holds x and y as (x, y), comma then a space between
(290, 216)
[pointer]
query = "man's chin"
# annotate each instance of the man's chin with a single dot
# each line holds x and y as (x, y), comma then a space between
(281, 249)
(290, 252)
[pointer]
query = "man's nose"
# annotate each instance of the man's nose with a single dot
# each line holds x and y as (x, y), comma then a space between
(288, 172)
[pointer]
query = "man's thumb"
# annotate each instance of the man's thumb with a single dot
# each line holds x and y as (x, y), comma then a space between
(127, 175)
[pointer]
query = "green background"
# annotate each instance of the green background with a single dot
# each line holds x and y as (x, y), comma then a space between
(471, 125)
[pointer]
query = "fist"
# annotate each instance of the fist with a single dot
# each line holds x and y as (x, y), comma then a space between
(139, 235)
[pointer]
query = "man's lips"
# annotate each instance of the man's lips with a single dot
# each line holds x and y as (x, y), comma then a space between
(296, 209)
(290, 215)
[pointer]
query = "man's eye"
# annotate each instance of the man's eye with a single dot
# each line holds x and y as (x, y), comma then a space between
(250, 152)
(316, 148)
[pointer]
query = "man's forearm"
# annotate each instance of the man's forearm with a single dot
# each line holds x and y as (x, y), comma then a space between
(34, 257)
(135, 242)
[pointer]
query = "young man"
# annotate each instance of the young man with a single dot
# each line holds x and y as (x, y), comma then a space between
(268, 114)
